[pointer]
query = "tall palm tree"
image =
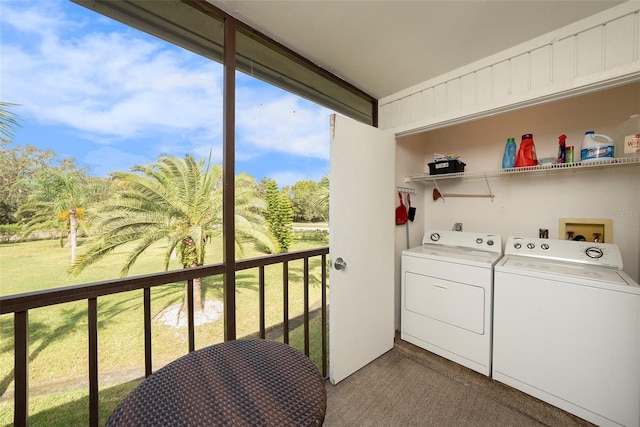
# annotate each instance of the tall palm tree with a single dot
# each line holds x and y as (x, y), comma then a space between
(322, 200)
(8, 121)
(174, 200)
(57, 200)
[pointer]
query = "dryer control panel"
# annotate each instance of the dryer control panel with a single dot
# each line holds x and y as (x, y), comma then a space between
(462, 239)
(603, 254)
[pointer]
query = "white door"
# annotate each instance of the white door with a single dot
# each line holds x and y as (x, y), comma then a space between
(361, 225)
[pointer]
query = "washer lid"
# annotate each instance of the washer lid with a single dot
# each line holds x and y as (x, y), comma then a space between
(455, 254)
(566, 270)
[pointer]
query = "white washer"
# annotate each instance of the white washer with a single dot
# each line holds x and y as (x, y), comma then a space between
(447, 289)
(567, 328)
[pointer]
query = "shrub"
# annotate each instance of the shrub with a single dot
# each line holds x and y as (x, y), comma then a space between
(313, 235)
(10, 233)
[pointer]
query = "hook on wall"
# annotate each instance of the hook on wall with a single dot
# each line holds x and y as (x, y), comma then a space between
(406, 190)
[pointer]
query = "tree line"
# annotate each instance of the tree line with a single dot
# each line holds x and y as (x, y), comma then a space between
(37, 190)
(24, 168)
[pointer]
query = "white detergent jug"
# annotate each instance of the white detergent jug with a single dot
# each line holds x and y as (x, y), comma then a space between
(596, 147)
(630, 137)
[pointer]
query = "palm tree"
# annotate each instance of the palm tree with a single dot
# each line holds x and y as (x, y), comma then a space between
(322, 200)
(8, 120)
(57, 201)
(175, 200)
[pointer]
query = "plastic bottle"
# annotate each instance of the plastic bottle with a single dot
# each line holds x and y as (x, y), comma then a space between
(509, 157)
(527, 152)
(630, 142)
(596, 147)
(562, 146)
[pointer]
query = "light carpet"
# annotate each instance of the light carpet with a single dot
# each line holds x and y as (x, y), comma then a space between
(411, 387)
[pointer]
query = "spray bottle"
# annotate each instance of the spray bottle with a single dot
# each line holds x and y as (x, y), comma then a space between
(562, 146)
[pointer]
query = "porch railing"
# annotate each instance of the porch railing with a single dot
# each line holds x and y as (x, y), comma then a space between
(20, 305)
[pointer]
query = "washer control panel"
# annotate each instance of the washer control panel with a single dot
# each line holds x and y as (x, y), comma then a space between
(463, 239)
(604, 254)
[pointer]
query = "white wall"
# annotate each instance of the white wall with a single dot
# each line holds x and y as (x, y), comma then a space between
(600, 51)
(525, 203)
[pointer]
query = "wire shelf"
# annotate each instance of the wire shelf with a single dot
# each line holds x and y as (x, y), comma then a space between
(531, 170)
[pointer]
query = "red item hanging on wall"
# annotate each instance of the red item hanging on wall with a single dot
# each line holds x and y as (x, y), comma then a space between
(401, 212)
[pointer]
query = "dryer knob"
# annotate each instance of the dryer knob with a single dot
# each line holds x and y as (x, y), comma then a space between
(544, 246)
(517, 245)
(490, 242)
(530, 245)
(435, 237)
(479, 240)
(594, 252)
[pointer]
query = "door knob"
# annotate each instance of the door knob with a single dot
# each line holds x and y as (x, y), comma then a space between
(339, 264)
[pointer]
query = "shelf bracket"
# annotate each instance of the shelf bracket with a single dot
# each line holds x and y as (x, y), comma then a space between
(437, 194)
(489, 188)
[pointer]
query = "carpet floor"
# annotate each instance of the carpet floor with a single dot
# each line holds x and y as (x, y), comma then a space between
(411, 387)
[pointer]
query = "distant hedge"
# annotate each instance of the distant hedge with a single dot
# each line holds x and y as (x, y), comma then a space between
(313, 235)
(10, 232)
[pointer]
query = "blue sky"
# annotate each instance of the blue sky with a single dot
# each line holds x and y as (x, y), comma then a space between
(111, 96)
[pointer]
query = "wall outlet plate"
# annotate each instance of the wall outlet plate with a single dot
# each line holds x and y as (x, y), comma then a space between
(590, 229)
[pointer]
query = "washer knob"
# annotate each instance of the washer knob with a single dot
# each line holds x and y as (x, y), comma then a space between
(517, 245)
(435, 237)
(593, 252)
(490, 242)
(479, 240)
(544, 246)
(530, 245)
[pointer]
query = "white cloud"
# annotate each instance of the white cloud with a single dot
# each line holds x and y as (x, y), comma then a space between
(111, 85)
(286, 124)
(121, 88)
(40, 19)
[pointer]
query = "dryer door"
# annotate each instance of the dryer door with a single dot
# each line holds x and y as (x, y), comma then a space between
(456, 304)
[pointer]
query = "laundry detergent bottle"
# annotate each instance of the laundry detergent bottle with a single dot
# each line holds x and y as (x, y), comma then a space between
(527, 152)
(630, 139)
(596, 147)
(509, 157)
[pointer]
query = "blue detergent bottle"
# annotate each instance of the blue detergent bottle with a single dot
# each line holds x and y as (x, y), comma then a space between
(509, 158)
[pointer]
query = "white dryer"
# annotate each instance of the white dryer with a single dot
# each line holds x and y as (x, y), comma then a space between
(447, 291)
(567, 328)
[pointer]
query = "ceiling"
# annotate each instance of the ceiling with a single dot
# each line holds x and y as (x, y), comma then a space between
(382, 47)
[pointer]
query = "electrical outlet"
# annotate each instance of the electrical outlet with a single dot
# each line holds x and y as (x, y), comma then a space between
(457, 226)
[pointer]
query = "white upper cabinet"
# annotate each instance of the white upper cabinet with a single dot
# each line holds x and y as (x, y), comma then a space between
(595, 53)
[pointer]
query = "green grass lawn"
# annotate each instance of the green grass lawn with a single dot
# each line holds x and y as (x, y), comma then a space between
(58, 379)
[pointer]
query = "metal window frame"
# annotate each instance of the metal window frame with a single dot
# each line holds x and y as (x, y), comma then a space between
(202, 28)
